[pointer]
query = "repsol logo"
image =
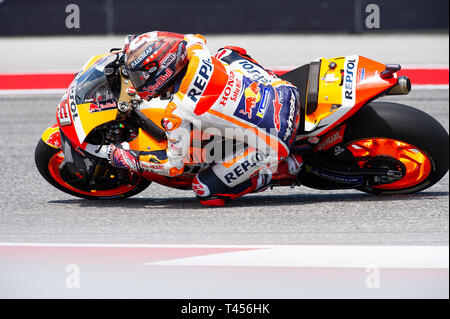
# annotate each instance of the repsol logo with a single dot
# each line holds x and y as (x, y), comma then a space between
(73, 105)
(348, 81)
(243, 167)
(201, 80)
(253, 71)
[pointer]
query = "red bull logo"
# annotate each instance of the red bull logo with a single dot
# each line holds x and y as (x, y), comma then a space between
(252, 96)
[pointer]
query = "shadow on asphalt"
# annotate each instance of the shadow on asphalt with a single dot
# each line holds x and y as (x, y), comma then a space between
(180, 203)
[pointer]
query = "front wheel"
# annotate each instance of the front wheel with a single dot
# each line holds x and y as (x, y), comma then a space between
(390, 132)
(50, 164)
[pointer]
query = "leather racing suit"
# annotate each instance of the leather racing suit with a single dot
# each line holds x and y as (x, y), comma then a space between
(228, 94)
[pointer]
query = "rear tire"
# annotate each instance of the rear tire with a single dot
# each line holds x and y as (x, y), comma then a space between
(44, 154)
(406, 124)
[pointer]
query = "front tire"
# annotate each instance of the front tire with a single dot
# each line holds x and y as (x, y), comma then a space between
(49, 162)
(403, 127)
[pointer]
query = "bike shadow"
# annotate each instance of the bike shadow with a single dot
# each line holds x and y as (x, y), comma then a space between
(187, 203)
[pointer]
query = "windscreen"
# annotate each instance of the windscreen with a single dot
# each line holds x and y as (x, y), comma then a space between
(92, 85)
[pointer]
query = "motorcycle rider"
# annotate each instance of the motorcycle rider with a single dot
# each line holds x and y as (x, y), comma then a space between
(227, 91)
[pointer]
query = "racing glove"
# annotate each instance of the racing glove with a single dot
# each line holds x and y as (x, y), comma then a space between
(154, 162)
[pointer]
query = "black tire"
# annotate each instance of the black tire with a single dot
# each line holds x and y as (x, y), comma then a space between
(406, 124)
(44, 153)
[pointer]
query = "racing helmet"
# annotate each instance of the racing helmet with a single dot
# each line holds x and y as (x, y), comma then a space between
(154, 60)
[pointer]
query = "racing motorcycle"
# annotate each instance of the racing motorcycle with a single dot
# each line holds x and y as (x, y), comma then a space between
(347, 140)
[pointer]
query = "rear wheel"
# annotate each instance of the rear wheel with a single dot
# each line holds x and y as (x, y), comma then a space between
(389, 133)
(50, 164)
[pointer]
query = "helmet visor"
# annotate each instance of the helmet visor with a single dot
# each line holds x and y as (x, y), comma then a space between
(139, 78)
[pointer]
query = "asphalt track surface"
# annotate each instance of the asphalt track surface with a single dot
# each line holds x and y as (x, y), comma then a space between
(33, 211)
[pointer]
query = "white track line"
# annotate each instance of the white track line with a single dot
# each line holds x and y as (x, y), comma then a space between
(429, 87)
(346, 256)
(33, 91)
(423, 257)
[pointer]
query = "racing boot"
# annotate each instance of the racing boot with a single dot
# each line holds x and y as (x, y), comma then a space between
(287, 171)
(256, 184)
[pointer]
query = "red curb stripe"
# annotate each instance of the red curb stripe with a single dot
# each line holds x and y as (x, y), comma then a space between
(35, 81)
(426, 76)
(40, 81)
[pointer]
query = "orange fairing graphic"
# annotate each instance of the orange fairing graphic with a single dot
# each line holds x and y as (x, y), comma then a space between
(144, 142)
(91, 119)
(342, 90)
(52, 137)
(417, 163)
(83, 117)
(368, 80)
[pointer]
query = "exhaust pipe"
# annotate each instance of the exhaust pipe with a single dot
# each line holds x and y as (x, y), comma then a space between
(402, 87)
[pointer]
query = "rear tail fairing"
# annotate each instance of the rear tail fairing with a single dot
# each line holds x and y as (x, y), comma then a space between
(341, 86)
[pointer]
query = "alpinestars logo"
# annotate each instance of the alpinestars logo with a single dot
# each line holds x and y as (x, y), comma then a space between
(290, 126)
(276, 111)
(199, 188)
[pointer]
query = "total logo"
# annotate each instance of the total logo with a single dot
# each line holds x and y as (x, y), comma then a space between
(73, 105)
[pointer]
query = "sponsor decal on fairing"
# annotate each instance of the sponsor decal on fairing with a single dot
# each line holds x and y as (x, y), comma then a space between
(348, 96)
(103, 105)
(332, 138)
(63, 114)
(349, 85)
(74, 111)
